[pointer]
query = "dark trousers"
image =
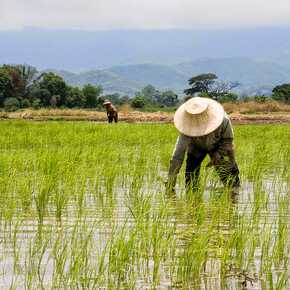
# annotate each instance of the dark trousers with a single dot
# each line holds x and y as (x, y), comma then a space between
(227, 170)
(113, 118)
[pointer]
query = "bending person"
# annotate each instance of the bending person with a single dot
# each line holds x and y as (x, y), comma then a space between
(204, 129)
(112, 112)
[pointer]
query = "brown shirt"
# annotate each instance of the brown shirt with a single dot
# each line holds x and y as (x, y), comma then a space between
(111, 111)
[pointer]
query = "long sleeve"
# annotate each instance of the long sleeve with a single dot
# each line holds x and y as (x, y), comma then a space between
(226, 146)
(177, 158)
(227, 133)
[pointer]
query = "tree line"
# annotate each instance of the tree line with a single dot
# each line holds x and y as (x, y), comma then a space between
(22, 86)
(208, 85)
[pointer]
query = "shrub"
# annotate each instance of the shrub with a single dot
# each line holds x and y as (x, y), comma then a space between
(282, 93)
(229, 97)
(260, 99)
(36, 103)
(25, 103)
(138, 102)
(11, 104)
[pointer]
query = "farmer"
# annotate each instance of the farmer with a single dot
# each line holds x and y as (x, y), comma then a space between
(204, 129)
(112, 112)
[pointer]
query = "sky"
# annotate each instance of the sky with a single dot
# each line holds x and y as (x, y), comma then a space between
(142, 14)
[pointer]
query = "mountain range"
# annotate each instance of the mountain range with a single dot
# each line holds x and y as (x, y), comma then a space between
(126, 60)
(255, 77)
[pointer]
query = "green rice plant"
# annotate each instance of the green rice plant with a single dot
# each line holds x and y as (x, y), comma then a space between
(83, 205)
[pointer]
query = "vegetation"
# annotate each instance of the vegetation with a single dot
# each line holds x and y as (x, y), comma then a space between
(22, 86)
(138, 102)
(282, 93)
(255, 77)
(73, 216)
(207, 85)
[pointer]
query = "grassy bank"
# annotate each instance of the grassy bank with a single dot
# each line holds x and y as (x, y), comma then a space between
(243, 112)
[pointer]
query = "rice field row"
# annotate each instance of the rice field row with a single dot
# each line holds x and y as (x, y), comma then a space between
(83, 206)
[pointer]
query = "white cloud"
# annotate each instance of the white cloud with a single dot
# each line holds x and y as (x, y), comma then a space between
(142, 14)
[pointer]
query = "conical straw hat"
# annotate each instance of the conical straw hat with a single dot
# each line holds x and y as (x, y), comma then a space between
(198, 117)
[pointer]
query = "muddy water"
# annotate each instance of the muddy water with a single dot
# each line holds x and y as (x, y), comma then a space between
(26, 246)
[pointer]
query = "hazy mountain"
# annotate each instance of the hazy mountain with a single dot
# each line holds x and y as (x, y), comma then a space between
(108, 80)
(125, 61)
(161, 76)
(254, 76)
(246, 71)
(80, 50)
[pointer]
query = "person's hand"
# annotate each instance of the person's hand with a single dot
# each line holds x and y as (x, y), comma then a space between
(169, 189)
(215, 159)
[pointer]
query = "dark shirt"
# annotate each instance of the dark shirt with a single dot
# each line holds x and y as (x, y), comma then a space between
(218, 138)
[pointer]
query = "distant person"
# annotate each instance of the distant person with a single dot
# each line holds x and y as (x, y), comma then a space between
(112, 112)
(204, 129)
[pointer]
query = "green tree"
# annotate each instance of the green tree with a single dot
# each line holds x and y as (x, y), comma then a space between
(91, 94)
(75, 98)
(11, 104)
(21, 79)
(124, 100)
(200, 84)
(36, 103)
(221, 90)
(148, 93)
(54, 100)
(138, 102)
(55, 85)
(25, 103)
(260, 98)
(209, 86)
(27, 76)
(228, 97)
(6, 90)
(282, 93)
(167, 99)
(41, 94)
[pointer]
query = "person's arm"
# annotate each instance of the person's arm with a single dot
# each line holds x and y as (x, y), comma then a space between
(226, 144)
(177, 160)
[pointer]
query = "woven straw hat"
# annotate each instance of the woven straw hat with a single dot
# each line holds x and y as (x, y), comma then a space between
(107, 102)
(198, 117)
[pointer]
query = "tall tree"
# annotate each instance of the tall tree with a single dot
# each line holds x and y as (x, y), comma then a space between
(148, 93)
(220, 89)
(28, 76)
(75, 98)
(209, 86)
(6, 89)
(282, 93)
(167, 99)
(91, 94)
(200, 84)
(21, 79)
(55, 85)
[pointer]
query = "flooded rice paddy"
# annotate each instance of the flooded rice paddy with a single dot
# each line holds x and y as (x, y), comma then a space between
(83, 206)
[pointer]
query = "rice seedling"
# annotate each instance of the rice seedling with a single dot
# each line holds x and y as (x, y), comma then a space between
(83, 205)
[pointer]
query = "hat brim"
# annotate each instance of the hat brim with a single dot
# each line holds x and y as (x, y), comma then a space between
(191, 125)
